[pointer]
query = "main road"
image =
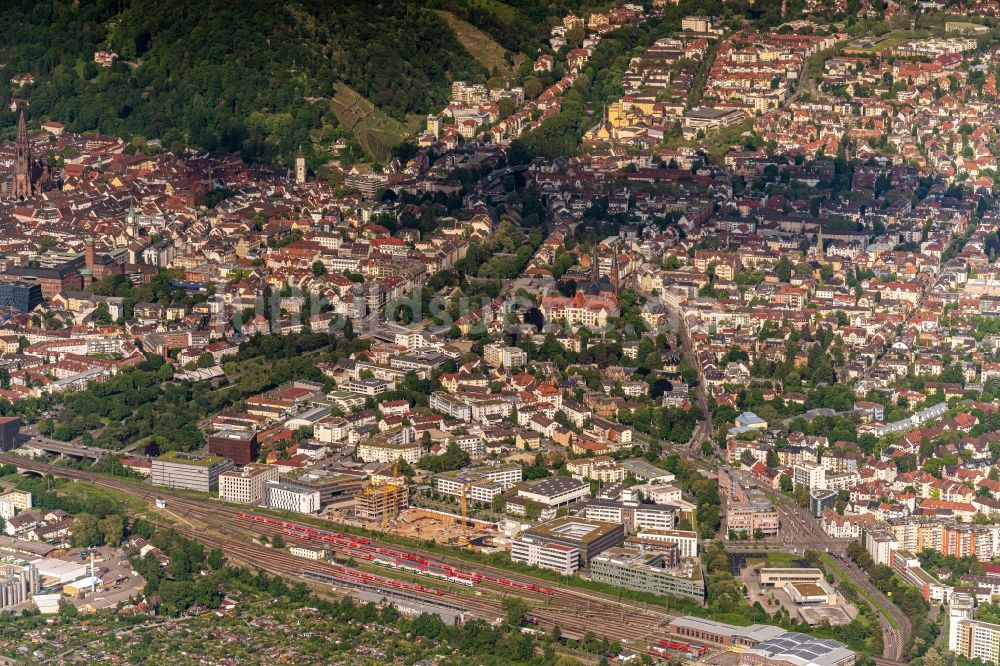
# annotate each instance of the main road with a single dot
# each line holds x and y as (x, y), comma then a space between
(806, 533)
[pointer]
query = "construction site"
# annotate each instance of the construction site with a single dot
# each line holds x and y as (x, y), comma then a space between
(384, 506)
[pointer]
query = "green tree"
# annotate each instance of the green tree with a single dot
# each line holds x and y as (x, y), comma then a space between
(514, 608)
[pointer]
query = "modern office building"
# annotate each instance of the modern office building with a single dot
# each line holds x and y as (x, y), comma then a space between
(188, 470)
(246, 485)
(19, 296)
(240, 446)
(10, 428)
(334, 486)
(656, 573)
(820, 500)
(288, 497)
(685, 540)
(588, 537)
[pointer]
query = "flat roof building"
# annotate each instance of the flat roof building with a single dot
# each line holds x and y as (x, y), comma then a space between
(777, 576)
(333, 486)
(246, 486)
(289, 497)
(635, 569)
(240, 446)
(588, 537)
(188, 470)
(556, 491)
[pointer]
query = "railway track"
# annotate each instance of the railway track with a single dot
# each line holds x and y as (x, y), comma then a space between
(575, 611)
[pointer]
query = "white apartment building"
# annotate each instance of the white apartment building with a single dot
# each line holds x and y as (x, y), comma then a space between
(976, 639)
(481, 484)
(451, 406)
(809, 474)
(331, 430)
(284, 497)
(246, 486)
(498, 356)
(880, 544)
(381, 451)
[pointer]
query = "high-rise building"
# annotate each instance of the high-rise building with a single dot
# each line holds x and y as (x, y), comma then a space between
(974, 639)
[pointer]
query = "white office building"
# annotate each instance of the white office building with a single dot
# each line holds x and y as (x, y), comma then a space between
(555, 556)
(285, 497)
(246, 486)
(687, 542)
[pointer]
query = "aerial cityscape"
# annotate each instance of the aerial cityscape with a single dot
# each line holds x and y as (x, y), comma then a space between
(485, 332)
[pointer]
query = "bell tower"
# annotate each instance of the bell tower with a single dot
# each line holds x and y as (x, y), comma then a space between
(22, 161)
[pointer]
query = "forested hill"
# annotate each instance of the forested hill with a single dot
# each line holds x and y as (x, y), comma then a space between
(245, 75)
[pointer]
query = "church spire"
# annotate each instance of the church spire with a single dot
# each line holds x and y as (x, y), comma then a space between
(22, 161)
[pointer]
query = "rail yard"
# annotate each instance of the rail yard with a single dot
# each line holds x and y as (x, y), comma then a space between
(434, 579)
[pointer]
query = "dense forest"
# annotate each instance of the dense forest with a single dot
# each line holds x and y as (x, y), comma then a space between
(255, 76)
(252, 76)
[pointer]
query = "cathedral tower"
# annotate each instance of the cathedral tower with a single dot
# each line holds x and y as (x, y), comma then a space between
(22, 161)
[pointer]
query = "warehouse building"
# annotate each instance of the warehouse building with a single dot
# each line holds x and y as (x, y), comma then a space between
(703, 630)
(794, 649)
(556, 491)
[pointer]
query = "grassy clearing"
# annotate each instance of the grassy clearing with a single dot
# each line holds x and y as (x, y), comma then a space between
(480, 45)
(833, 566)
(81, 490)
(376, 131)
